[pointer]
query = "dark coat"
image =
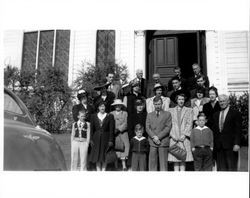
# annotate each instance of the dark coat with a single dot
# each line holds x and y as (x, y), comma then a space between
(134, 119)
(101, 135)
(209, 111)
(231, 132)
(131, 98)
(109, 100)
(76, 108)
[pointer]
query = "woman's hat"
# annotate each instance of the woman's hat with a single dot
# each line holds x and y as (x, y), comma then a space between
(118, 102)
(81, 93)
(102, 86)
(139, 102)
(158, 85)
(179, 92)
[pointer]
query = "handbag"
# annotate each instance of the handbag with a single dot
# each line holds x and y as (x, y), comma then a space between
(119, 145)
(178, 152)
(110, 156)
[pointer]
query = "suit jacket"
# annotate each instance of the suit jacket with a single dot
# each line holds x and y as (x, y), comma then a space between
(115, 89)
(159, 126)
(150, 105)
(231, 132)
(76, 108)
(209, 112)
(124, 90)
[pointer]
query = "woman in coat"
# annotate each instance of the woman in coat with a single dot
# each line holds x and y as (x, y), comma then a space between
(102, 136)
(182, 122)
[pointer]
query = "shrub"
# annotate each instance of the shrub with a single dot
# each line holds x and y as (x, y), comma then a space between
(241, 104)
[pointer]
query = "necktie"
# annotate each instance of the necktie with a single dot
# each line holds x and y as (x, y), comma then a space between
(221, 120)
(157, 113)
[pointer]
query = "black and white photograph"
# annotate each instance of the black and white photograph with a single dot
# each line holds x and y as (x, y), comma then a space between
(153, 102)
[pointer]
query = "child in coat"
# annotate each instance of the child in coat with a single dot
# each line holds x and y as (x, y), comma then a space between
(202, 145)
(80, 138)
(139, 146)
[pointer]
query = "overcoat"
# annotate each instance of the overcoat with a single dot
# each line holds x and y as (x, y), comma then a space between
(101, 135)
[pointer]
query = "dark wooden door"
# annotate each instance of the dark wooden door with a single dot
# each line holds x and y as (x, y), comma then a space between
(165, 56)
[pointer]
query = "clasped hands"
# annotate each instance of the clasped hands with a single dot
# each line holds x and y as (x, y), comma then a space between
(156, 140)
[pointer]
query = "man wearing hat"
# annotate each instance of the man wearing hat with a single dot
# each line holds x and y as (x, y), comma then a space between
(105, 96)
(142, 82)
(82, 96)
(158, 90)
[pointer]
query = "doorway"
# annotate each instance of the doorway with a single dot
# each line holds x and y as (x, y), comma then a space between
(168, 49)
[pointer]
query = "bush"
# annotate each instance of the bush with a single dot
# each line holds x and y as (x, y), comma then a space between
(46, 94)
(241, 104)
(91, 76)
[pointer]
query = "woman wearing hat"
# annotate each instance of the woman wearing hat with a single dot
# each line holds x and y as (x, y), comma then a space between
(158, 90)
(105, 96)
(121, 133)
(102, 127)
(182, 122)
(82, 96)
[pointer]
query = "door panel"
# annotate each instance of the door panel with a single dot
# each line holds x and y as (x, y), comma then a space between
(165, 56)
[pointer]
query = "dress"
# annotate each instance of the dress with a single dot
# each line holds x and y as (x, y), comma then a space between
(101, 133)
(121, 126)
(182, 122)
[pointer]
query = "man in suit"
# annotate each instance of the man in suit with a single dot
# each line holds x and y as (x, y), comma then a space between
(82, 96)
(113, 87)
(177, 71)
(141, 81)
(227, 131)
(197, 72)
(123, 85)
(157, 80)
(158, 126)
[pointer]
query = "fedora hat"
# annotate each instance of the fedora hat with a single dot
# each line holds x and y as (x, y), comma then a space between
(118, 102)
(106, 85)
(158, 85)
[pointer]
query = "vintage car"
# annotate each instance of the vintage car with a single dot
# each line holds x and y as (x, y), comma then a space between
(26, 146)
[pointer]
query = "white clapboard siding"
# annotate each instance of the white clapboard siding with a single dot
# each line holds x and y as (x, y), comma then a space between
(82, 49)
(13, 42)
(124, 49)
(237, 60)
(228, 60)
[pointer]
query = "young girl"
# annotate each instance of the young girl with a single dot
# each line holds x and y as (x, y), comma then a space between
(80, 137)
(121, 130)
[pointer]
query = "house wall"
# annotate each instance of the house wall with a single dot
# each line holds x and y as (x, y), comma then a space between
(227, 60)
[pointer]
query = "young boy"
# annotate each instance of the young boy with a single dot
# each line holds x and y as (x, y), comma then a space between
(80, 138)
(202, 145)
(139, 146)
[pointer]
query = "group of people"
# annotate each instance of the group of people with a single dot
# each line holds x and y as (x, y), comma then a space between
(141, 122)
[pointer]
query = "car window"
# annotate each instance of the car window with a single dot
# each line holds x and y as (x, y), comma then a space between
(11, 105)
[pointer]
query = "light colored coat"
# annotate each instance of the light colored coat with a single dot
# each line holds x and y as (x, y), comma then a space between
(159, 126)
(186, 128)
(150, 104)
(198, 107)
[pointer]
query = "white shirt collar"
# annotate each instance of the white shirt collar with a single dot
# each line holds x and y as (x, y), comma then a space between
(198, 127)
(139, 139)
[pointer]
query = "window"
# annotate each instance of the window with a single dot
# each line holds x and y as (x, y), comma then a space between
(11, 105)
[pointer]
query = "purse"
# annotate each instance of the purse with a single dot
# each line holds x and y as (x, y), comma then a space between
(110, 156)
(178, 152)
(119, 145)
